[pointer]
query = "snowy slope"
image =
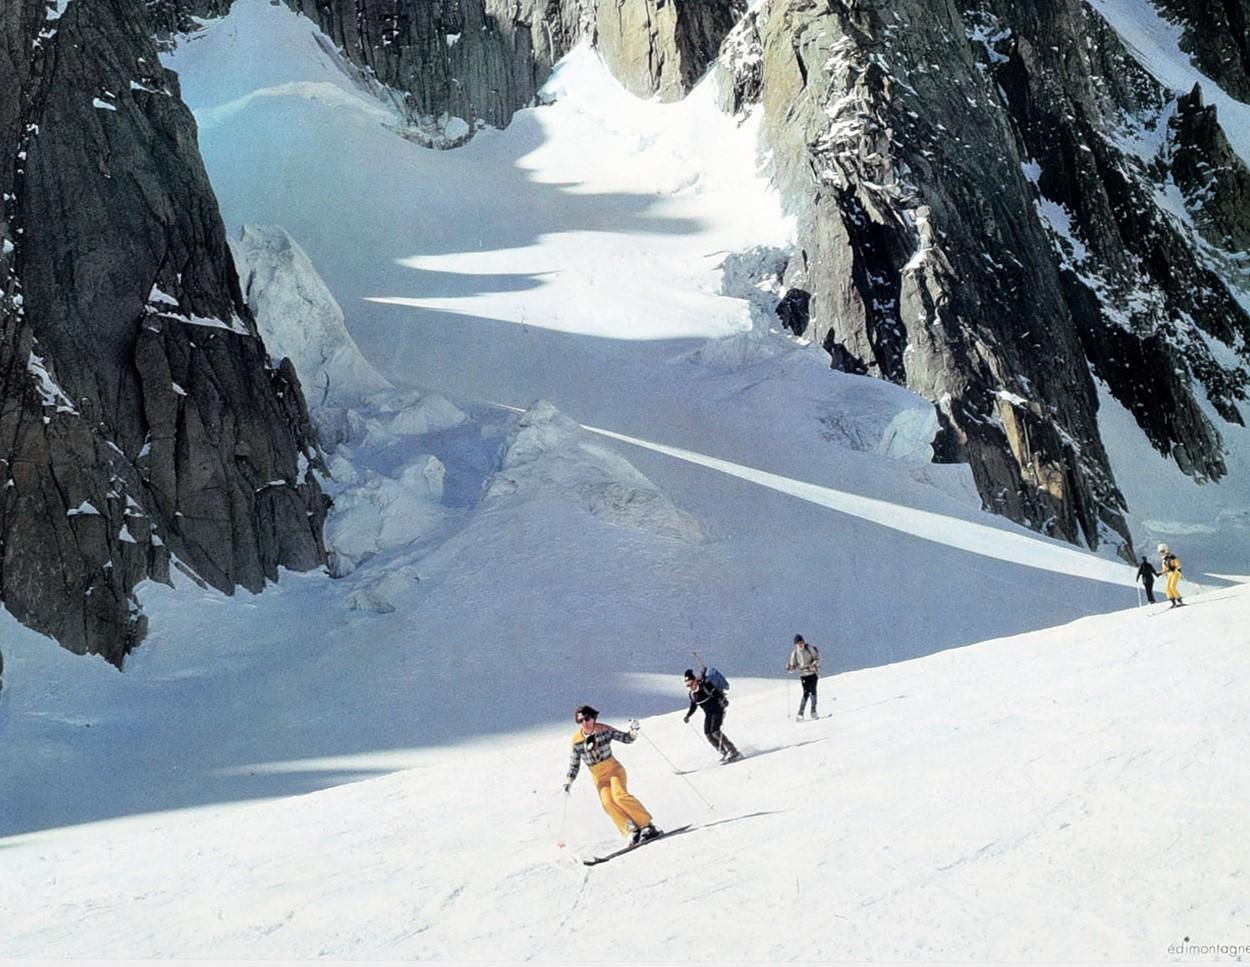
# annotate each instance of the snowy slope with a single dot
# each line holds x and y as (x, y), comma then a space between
(591, 467)
(1071, 794)
(484, 568)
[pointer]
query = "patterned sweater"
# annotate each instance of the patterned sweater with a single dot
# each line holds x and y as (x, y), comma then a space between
(594, 748)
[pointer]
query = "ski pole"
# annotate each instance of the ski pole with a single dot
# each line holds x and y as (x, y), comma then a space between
(1139, 602)
(677, 772)
(564, 814)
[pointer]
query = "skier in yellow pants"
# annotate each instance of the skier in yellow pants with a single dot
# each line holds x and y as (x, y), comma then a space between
(1171, 567)
(593, 743)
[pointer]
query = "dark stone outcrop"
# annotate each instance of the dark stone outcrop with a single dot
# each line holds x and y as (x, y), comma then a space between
(794, 310)
(1217, 37)
(169, 17)
(1146, 295)
(1215, 183)
(141, 422)
(917, 272)
(477, 60)
(484, 60)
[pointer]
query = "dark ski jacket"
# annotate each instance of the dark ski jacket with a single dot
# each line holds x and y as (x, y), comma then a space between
(706, 697)
(1147, 573)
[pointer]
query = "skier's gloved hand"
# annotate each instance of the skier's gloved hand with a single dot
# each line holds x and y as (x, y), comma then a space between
(633, 725)
(565, 788)
(686, 719)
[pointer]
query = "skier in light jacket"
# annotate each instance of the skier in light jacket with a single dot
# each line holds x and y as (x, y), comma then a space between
(805, 659)
(592, 742)
(1170, 564)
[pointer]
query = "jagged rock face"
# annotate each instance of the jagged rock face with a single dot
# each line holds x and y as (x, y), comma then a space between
(467, 59)
(142, 423)
(917, 273)
(662, 47)
(1217, 35)
(178, 16)
(1146, 294)
(460, 62)
(972, 227)
(1215, 183)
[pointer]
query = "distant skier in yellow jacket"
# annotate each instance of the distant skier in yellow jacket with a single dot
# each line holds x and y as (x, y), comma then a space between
(1170, 565)
(592, 742)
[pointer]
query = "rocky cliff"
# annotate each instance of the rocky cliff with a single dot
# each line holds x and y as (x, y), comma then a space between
(142, 424)
(978, 189)
(461, 63)
(998, 207)
(978, 196)
(1216, 33)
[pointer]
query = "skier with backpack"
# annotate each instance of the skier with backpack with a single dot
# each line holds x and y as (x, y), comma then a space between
(592, 742)
(805, 659)
(707, 691)
(1171, 565)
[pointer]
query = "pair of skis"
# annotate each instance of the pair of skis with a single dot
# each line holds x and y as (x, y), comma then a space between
(663, 834)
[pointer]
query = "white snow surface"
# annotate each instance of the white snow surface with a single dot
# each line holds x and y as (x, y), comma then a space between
(1069, 795)
(600, 458)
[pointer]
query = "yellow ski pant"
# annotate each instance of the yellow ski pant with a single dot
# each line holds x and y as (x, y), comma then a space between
(617, 802)
(1174, 585)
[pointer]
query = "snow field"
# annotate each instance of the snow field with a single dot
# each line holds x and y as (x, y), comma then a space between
(368, 767)
(1062, 795)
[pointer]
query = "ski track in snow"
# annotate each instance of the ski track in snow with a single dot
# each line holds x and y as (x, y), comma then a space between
(979, 539)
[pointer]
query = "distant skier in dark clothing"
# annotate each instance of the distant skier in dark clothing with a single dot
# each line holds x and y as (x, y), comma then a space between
(805, 659)
(1147, 574)
(704, 695)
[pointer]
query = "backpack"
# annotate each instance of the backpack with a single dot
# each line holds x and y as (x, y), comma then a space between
(716, 679)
